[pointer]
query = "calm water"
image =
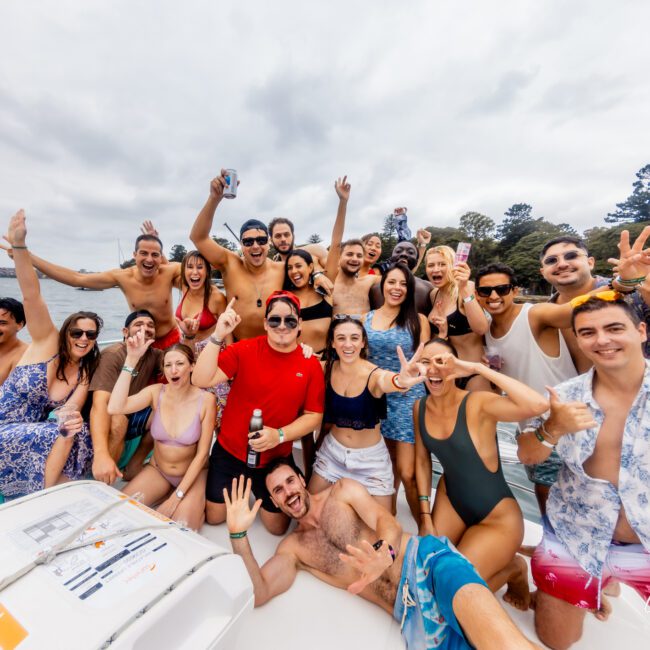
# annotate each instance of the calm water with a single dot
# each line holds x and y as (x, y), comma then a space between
(113, 308)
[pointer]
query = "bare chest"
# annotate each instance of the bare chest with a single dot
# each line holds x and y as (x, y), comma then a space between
(352, 298)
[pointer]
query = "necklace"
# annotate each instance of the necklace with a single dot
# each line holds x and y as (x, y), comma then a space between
(259, 294)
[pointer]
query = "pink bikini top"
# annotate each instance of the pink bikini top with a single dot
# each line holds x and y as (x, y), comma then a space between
(206, 319)
(189, 437)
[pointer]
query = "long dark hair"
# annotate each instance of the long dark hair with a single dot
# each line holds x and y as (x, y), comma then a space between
(330, 352)
(90, 361)
(407, 316)
(303, 255)
(207, 287)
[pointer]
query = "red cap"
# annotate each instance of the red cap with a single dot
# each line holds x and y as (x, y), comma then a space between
(284, 294)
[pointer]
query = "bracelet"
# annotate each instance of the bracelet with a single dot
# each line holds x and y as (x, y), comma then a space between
(543, 440)
(395, 383)
(423, 497)
(24, 248)
(313, 275)
(632, 282)
(281, 435)
(238, 535)
(422, 245)
(425, 514)
(468, 299)
(215, 340)
(189, 338)
(132, 371)
(379, 543)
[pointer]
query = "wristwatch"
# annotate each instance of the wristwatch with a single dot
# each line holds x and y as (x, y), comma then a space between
(179, 493)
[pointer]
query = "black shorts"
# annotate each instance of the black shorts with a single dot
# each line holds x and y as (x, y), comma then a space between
(224, 467)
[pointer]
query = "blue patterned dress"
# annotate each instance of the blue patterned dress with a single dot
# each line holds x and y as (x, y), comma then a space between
(382, 351)
(26, 437)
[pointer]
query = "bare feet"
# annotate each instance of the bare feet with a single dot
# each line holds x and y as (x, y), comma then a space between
(613, 588)
(518, 593)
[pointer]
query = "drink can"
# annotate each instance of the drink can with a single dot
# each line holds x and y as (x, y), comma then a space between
(462, 252)
(230, 191)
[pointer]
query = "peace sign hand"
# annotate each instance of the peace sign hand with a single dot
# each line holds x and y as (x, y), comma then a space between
(410, 373)
(634, 261)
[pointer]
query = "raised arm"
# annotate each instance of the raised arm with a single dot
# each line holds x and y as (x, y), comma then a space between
(476, 318)
(217, 255)
(342, 188)
(206, 372)
(424, 239)
(39, 323)
(279, 573)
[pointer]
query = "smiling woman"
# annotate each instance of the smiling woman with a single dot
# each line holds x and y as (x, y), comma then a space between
(43, 437)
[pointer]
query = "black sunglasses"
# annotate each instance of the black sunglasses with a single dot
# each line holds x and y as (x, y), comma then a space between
(249, 241)
(291, 322)
(75, 333)
(354, 317)
(501, 290)
(552, 260)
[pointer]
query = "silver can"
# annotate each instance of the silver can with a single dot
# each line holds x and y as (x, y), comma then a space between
(230, 190)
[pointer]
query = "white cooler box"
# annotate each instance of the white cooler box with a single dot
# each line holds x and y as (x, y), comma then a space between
(158, 586)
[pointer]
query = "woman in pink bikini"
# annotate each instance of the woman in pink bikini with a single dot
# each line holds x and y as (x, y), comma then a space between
(181, 426)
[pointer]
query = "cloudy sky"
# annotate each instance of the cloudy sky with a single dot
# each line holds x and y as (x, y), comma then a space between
(116, 111)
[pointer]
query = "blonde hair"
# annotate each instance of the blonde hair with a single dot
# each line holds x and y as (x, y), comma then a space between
(448, 255)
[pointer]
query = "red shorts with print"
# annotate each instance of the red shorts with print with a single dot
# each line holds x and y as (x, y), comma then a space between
(171, 338)
(556, 573)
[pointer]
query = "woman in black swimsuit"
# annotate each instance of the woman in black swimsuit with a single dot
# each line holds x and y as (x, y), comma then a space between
(355, 402)
(456, 313)
(316, 311)
(474, 506)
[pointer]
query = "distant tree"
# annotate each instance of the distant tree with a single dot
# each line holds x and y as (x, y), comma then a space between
(127, 263)
(477, 226)
(314, 239)
(518, 223)
(388, 237)
(602, 242)
(226, 243)
(177, 253)
(637, 206)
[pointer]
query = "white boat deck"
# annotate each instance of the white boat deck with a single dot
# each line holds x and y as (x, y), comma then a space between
(316, 616)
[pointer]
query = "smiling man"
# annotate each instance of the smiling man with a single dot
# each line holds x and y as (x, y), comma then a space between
(12, 320)
(147, 285)
(597, 528)
(351, 293)
(269, 373)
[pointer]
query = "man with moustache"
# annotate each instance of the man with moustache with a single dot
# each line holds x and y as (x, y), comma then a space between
(12, 320)
(345, 538)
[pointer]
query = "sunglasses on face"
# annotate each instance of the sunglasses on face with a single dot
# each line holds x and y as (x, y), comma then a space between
(501, 290)
(75, 333)
(249, 241)
(290, 322)
(552, 260)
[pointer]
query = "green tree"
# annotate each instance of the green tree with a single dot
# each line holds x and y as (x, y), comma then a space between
(314, 239)
(602, 242)
(177, 253)
(637, 206)
(226, 243)
(477, 226)
(518, 223)
(388, 237)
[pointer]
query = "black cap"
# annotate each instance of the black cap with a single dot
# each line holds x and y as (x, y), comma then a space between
(252, 224)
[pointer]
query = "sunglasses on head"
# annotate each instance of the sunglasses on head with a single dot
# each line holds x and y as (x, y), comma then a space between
(501, 290)
(607, 296)
(291, 322)
(260, 241)
(354, 317)
(552, 260)
(77, 333)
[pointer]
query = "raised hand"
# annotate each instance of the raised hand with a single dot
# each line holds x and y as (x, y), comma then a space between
(423, 237)
(567, 417)
(147, 228)
(461, 273)
(321, 281)
(453, 367)
(17, 231)
(634, 261)
(137, 345)
(217, 185)
(342, 188)
(239, 515)
(189, 326)
(228, 321)
(409, 371)
(370, 563)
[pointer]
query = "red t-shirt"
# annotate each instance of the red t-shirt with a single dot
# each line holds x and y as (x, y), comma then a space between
(282, 384)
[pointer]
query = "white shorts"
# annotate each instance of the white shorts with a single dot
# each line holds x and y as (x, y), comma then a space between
(370, 466)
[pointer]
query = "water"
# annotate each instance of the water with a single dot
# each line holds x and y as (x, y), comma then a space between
(111, 305)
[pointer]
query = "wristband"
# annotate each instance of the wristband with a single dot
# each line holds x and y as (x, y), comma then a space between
(215, 340)
(316, 273)
(543, 440)
(281, 435)
(240, 535)
(187, 337)
(423, 497)
(132, 371)
(469, 298)
(395, 383)
(19, 248)
(632, 282)
(425, 514)
(379, 543)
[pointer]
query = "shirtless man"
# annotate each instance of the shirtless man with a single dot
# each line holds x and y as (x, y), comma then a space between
(598, 523)
(351, 293)
(345, 538)
(12, 320)
(147, 285)
(407, 252)
(253, 277)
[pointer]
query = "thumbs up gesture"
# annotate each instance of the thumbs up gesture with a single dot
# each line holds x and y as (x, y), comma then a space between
(567, 417)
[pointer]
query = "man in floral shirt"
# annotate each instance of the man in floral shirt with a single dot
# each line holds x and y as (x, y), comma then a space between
(597, 528)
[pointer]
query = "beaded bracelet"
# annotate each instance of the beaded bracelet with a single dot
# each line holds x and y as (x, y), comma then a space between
(238, 535)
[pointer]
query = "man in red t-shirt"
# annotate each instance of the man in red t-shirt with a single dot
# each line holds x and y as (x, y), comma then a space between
(268, 373)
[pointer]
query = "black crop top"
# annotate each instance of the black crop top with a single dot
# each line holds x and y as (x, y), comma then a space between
(362, 411)
(321, 309)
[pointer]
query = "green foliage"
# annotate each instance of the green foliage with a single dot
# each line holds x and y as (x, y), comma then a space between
(518, 223)
(314, 239)
(127, 263)
(636, 207)
(226, 243)
(388, 237)
(602, 242)
(477, 226)
(177, 253)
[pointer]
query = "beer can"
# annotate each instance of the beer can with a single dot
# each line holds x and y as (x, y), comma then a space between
(230, 191)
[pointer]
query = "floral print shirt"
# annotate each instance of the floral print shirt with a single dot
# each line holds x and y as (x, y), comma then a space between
(584, 510)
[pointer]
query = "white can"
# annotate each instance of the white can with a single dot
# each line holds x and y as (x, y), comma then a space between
(230, 190)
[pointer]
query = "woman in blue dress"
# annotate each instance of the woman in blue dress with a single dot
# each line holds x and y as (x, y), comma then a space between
(54, 371)
(395, 323)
